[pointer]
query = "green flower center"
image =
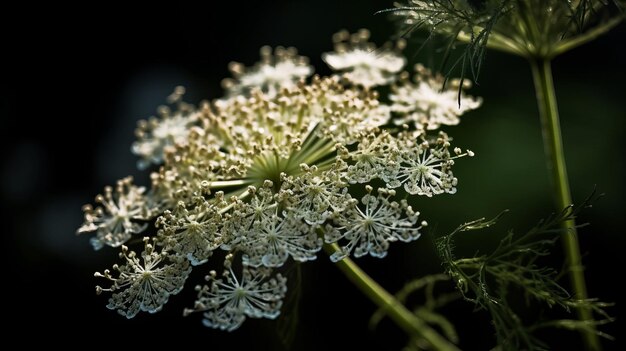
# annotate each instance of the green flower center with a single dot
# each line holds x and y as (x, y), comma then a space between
(269, 165)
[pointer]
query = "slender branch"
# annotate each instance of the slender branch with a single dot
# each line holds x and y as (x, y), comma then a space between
(590, 35)
(228, 183)
(553, 147)
(406, 320)
(495, 42)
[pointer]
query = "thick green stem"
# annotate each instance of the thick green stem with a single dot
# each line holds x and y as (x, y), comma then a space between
(553, 146)
(406, 320)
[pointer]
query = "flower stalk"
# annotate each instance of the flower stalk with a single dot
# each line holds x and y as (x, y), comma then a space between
(555, 156)
(406, 320)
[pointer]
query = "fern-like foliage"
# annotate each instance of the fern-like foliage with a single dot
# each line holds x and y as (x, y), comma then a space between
(489, 280)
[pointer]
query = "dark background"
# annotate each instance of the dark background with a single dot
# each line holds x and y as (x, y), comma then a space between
(75, 81)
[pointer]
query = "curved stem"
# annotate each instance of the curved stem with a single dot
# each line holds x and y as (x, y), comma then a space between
(553, 146)
(406, 320)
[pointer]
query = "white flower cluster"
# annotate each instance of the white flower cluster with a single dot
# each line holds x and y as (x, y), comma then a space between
(159, 134)
(282, 69)
(269, 174)
(428, 104)
(361, 63)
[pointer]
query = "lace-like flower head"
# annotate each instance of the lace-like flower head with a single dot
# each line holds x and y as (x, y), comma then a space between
(144, 283)
(122, 213)
(228, 301)
(361, 63)
(278, 70)
(269, 175)
(193, 233)
(159, 134)
(370, 226)
(427, 104)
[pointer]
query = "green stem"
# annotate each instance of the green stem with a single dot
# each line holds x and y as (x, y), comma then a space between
(553, 146)
(406, 320)
(592, 34)
(496, 42)
(228, 183)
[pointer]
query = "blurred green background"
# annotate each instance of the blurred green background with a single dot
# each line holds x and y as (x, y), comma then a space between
(74, 89)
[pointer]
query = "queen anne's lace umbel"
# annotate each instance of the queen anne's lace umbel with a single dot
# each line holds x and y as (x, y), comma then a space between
(271, 172)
